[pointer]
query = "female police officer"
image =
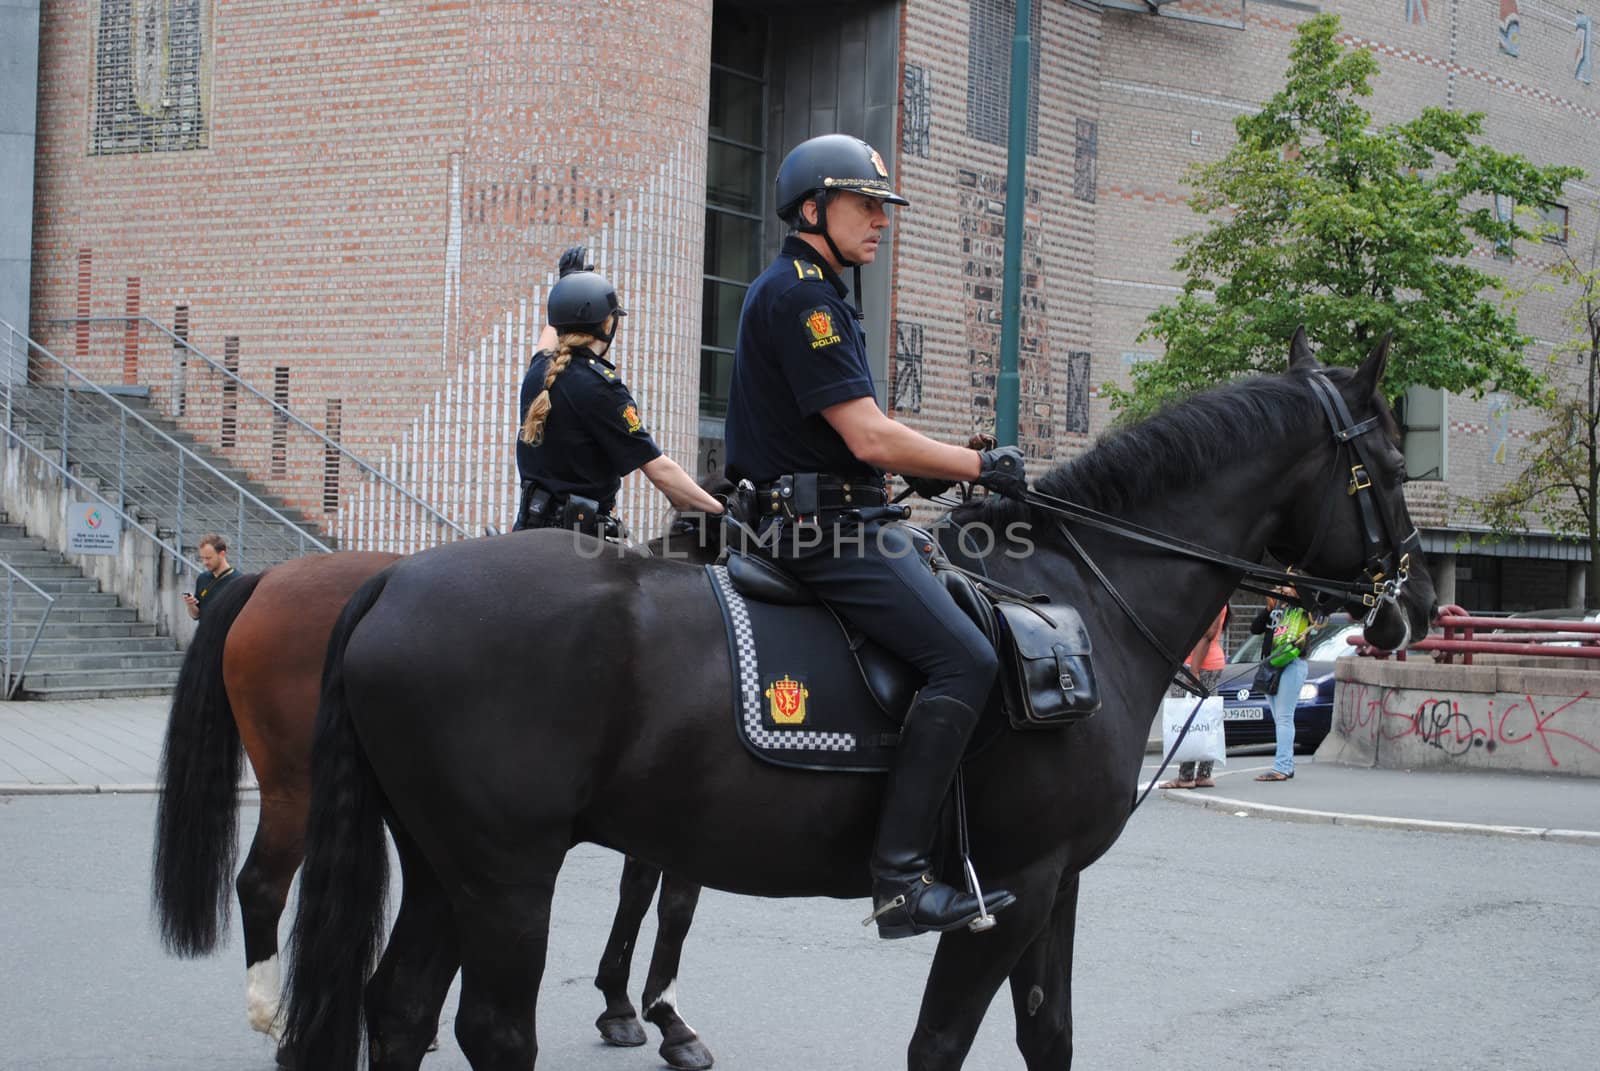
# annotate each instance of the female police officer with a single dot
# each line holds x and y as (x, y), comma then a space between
(804, 427)
(581, 428)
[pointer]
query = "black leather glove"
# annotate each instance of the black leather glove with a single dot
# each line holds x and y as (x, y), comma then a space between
(928, 486)
(576, 258)
(1001, 471)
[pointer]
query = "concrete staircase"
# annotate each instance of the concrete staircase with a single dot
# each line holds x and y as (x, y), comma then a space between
(92, 646)
(109, 451)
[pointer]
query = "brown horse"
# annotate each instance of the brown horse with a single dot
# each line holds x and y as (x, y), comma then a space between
(252, 676)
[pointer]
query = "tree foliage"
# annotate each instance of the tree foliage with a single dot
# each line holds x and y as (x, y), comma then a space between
(1559, 484)
(1319, 219)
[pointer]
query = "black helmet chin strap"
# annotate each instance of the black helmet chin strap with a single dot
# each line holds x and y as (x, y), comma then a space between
(821, 227)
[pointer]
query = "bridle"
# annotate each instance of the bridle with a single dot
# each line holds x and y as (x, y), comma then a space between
(1387, 564)
(1387, 561)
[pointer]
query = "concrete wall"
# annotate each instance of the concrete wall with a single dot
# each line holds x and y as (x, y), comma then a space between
(19, 103)
(141, 573)
(1531, 716)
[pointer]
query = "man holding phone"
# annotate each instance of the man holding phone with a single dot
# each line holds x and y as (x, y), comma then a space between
(214, 556)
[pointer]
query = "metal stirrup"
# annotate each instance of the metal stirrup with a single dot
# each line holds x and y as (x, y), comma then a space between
(984, 921)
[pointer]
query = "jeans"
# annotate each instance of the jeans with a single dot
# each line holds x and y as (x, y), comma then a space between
(1284, 701)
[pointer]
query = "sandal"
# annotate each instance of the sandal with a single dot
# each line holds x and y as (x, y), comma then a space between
(1176, 784)
(1274, 775)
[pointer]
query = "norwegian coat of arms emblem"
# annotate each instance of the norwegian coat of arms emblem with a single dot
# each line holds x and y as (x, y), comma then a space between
(787, 698)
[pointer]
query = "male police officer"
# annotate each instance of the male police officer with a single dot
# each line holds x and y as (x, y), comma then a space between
(804, 427)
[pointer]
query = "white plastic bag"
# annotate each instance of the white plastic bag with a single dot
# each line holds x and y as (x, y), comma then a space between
(1204, 741)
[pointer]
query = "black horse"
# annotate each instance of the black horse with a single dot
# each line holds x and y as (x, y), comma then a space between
(626, 740)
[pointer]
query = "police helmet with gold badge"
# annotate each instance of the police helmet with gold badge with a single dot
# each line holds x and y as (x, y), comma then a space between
(829, 163)
(581, 301)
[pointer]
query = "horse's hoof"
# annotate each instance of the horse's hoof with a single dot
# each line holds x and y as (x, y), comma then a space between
(687, 1055)
(285, 1058)
(624, 1032)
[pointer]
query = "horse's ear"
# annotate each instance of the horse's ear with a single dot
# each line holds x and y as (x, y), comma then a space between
(1370, 374)
(1300, 355)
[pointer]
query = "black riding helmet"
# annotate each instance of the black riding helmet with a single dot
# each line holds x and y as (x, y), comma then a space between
(580, 302)
(822, 166)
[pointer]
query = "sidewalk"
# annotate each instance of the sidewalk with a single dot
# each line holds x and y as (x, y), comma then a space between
(1540, 806)
(84, 746)
(114, 745)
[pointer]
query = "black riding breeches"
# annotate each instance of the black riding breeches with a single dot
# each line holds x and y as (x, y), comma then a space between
(873, 577)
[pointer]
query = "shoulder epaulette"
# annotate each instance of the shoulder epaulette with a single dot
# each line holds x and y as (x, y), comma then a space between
(601, 370)
(807, 270)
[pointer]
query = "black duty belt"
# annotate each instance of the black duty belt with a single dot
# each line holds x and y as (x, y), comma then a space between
(804, 494)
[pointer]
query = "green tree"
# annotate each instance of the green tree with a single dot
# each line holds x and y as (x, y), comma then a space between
(1317, 218)
(1559, 484)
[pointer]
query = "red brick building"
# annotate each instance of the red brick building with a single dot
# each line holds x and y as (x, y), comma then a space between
(361, 204)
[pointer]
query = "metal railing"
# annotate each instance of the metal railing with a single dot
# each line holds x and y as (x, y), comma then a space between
(282, 450)
(102, 447)
(1467, 634)
(13, 678)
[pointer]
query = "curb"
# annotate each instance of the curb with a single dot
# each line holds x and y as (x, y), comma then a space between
(96, 790)
(1245, 808)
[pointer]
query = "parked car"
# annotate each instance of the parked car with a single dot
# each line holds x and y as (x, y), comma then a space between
(1247, 714)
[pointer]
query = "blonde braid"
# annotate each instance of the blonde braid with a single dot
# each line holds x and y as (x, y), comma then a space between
(533, 420)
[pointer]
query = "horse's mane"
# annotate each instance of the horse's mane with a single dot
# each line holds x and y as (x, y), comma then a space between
(1176, 447)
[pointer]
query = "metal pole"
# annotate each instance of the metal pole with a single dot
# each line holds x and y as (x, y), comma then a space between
(1007, 397)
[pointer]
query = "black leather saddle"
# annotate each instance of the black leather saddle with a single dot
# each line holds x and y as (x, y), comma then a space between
(892, 682)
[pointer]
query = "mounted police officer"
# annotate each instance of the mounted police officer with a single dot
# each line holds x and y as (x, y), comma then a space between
(804, 427)
(581, 430)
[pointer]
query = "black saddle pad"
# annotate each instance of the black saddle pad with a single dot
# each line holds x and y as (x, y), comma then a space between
(799, 698)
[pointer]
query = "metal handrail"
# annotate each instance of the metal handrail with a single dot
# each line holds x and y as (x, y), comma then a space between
(12, 576)
(127, 518)
(1469, 634)
(184, 452)
(281, 410)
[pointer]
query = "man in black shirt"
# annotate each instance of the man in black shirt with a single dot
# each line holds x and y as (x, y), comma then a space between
(214, 556)
(805, 428)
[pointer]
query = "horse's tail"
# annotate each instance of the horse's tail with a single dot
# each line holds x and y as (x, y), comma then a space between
(345, 877)
(197, 837)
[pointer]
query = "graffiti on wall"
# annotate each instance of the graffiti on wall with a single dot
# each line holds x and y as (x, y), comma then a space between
(1457, 725)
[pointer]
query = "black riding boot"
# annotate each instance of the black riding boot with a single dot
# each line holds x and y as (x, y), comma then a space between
(906, 898)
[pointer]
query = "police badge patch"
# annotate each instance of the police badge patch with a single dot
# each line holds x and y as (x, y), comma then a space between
(788, 701)
(819, 322)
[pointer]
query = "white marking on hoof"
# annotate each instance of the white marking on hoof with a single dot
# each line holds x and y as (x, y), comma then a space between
(262, 986)
(669, 997)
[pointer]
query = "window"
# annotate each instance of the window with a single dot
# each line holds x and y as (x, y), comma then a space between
(1553, 221)
(736, 206)
(1504, 207)
(1421, 413)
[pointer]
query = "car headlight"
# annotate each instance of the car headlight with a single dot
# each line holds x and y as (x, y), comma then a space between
(1308, 692)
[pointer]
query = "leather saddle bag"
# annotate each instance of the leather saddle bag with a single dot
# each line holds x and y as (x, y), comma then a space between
(1046, 677)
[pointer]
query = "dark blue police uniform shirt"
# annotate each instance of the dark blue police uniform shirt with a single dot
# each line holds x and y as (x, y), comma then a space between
(800, 350)
(594, 434)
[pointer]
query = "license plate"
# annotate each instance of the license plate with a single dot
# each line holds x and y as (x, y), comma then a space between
(1245, 714)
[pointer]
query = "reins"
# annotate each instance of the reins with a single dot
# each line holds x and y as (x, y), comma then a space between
(1386, 568)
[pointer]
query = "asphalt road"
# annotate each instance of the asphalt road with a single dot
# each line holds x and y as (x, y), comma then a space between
(1205, 941)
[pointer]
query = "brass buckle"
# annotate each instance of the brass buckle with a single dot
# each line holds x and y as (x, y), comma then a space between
(1359, 480)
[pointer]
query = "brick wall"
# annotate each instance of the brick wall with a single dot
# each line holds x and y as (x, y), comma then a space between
(379, 207)
(950, 243)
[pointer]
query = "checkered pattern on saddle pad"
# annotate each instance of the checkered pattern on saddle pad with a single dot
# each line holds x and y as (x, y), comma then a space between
(799, 699)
